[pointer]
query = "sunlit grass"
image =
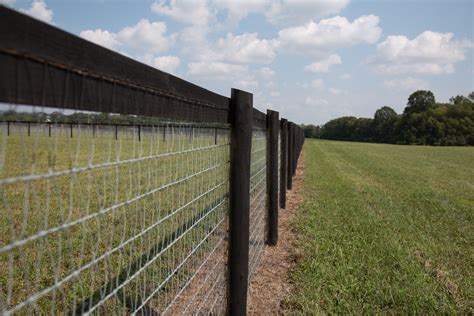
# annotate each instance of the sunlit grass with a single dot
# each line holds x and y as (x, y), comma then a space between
(385, 229)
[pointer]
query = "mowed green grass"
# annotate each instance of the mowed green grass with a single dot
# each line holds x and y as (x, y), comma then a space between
(385, 229)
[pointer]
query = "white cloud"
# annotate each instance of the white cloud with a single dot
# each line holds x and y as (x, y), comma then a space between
(145, 36)
(266, 73)
(185, 11)
(274, 93)
(330, 34)
(39, 10)
(335, 91)
(165, 63)
(324, 65)
(239, 9)
(318, 84)
(193, 42)
(406, 84)
(245, 48)
(271, 84)
(291, 12)
(281, 12)
(345, 76)
(216, 69)
(8, 2)
(101, 37)
(246, 84)
(430, 53)
(315, 101)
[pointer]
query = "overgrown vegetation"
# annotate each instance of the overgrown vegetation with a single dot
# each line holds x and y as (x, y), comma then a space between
(385, 229)
(423, 122)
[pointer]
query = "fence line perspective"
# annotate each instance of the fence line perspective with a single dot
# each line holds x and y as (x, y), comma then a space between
(126, 190)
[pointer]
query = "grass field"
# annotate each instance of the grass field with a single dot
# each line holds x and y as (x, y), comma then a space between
(385, 229)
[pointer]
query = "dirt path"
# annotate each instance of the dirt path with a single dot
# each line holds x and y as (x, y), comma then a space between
(270, 286)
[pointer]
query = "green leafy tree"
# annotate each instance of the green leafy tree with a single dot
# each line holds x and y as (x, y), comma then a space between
(471, 96)
(420, 101)
(384, 124)
(460, 99)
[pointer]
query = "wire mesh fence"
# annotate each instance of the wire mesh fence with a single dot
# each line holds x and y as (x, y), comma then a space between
(258, 198)
(132, 218)
(106, 225)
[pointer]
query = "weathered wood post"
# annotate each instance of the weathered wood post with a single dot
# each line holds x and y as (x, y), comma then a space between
(290, 156)
(272, 176)
(283, 162)
(240, 113)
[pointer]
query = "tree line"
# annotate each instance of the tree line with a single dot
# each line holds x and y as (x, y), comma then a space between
(78, 117)
(423, 122)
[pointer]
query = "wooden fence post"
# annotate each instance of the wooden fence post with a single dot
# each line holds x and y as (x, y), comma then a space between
(283, 162)
(240, 113)
(272, 176)
(295, 146)
(290, 156)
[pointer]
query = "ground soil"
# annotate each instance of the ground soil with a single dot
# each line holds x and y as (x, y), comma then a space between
(270, 286)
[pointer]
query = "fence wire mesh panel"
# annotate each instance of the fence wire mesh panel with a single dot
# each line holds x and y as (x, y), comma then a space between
(109, 219)
(258, 198)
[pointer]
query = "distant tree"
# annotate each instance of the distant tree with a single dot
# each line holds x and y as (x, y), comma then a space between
(460, 99)
(311, 131)
(384, 124)
(471, 96)
(419, 101)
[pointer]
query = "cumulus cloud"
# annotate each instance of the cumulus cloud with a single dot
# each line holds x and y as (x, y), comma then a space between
(165, 63)
(335, 91)
(406, 84)
(430, 53)
(275, 93)
(266, 73)
(239, 9)
(145, 36)
(246, 84)
(216, 69)
(324, 65)
(245, 48)
(330, 34)
(185, 11)
(101, 37)
(291, 12)
(278, 12)
(318, 84)
(39, 10)
(8, 2)
(315, 101)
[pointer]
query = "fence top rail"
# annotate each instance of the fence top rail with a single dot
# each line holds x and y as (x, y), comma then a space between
(93, 74)
(259, 118)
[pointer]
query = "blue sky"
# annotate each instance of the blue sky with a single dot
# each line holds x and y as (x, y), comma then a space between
(310, 60)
